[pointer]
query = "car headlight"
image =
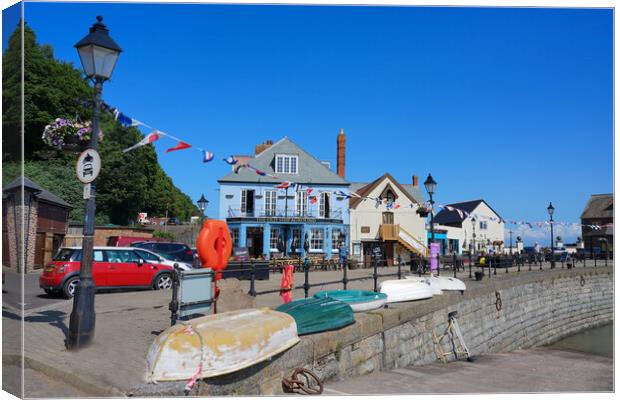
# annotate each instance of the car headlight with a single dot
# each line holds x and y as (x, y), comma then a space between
(61, 269)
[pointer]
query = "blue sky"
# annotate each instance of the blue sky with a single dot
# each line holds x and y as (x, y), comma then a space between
(512, 105)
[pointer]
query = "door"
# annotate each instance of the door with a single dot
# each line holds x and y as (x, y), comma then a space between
(254, 242)
(247, 203)
(388, 218)
(123, 269)
(100, 268)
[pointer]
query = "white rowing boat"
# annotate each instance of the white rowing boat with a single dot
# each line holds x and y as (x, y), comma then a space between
(432, 283)
(406, 290)
(219, 344)
(441, 283)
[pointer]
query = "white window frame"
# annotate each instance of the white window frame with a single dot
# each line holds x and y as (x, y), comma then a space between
(272, 237)
(313, 240)
(270, 202)
(284, 164)
(243, 206)
(234, 235)
(336, 249)
(299, 239)
(301, 201)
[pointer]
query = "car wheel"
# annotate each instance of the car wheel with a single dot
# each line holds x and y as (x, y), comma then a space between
(163, 281)
(70, 287)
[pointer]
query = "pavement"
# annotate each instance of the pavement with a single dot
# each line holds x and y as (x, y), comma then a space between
(126, 324)
(34, 296)
(537, 370)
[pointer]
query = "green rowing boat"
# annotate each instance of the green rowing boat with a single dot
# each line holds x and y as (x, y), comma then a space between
(317, 315)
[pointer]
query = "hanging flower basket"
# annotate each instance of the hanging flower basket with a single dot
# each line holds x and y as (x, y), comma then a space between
(68, 135)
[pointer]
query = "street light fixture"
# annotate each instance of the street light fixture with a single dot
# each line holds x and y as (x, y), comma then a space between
(550, 209)
(473, 235)
(98, 54)
(202, 205)
(430, 186)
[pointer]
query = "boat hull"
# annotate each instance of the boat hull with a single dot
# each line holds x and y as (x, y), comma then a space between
(219, 344)
(432, 283)
(359, 300)
(317, 315)
(442, 283)
(405, 290)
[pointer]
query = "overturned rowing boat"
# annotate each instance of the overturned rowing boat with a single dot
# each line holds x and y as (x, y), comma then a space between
(219, 344)
(441, 283)
(406, 290)
(359, 300)
(317, 315)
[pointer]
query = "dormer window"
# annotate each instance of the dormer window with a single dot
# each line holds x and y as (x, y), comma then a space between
(286, 164)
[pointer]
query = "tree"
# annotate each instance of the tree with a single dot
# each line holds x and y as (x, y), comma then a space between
(128, 183)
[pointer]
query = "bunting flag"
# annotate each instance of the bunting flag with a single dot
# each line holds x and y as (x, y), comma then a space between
(308, 191)
(297, 187)
(397, 206)
(283, 185)
(342, 193)
(378, 202)
(180, 146)
(124, 120)
(313, 199)
(150, 138)
(460, 213)
(260, 172)
(230, 160)
(207, 156)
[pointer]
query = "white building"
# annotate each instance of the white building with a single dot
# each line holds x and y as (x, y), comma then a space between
(470, 223)
(396, 230)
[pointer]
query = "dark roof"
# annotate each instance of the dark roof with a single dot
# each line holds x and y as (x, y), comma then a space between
(599, 206)
(413, 193)
(39, 192)
(310, 169)
(445, 217)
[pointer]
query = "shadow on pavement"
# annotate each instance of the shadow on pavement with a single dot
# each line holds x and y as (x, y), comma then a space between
(53, 318)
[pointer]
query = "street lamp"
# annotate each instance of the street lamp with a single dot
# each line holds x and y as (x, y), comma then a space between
(473, 235)
(202, 205)
(98, 54)
(550, 209)
(510, 242)
(430, 186)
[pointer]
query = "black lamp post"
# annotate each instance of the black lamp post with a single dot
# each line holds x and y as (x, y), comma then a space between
(550, 209)
(430, 186)
(202, 205)
(510, 242)
(473, 235)
(98, 54)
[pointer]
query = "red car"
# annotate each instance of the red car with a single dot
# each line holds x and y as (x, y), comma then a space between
(113, 267)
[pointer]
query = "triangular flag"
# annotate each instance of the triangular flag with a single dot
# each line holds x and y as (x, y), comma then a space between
(124, 120)
(150, 138)
(231, 160)
(313, 199)
(182, 145)
(260, 172)
(308, 191)
(283, 185)
(207, 156)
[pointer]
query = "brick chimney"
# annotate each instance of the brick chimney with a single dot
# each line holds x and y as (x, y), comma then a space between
(262, 147)
(414, 180)
(341, 141)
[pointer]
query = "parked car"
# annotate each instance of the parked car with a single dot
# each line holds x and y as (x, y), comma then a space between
(113, 267)
(149, 255)
(170, 250)
(122, 241)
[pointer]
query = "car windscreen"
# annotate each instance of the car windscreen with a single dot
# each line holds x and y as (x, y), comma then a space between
(64, 255)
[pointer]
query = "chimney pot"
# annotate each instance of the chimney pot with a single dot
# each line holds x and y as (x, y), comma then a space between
(414, 180)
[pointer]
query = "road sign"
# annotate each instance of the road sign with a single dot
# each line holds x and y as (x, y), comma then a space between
(88, 166)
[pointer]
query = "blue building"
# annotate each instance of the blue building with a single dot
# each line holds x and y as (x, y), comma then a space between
(310, 216)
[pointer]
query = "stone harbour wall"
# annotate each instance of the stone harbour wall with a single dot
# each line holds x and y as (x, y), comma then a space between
(537, 308)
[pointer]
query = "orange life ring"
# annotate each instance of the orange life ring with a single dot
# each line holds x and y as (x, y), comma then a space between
(214, 245)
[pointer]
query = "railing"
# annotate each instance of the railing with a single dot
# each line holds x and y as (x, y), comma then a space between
(282, 213)
(389, 231)
(418, 265)
(395, 232)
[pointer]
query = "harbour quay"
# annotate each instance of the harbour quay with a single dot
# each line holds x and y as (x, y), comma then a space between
(537, 309)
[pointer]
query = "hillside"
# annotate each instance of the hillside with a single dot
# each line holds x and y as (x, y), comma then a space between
(129, 182)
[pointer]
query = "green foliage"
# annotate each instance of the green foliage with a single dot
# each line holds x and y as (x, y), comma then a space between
(129, 182)
(163, 235)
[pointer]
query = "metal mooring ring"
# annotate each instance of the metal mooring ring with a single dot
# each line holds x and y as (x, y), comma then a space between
(297, 383)
(498, 301)
(582, 280)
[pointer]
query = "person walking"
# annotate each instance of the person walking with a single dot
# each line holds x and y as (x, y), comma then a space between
(342, 254)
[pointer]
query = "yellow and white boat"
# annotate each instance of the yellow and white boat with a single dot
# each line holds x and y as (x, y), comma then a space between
(219, 344)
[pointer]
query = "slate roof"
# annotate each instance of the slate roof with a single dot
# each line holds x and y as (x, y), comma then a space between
(599, 206)
(40, 193)
(363, 189)
(311, 171)
(445, 217)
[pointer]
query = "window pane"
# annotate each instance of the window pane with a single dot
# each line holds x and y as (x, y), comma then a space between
(293, 165)
(286, 165)
(98, 255)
